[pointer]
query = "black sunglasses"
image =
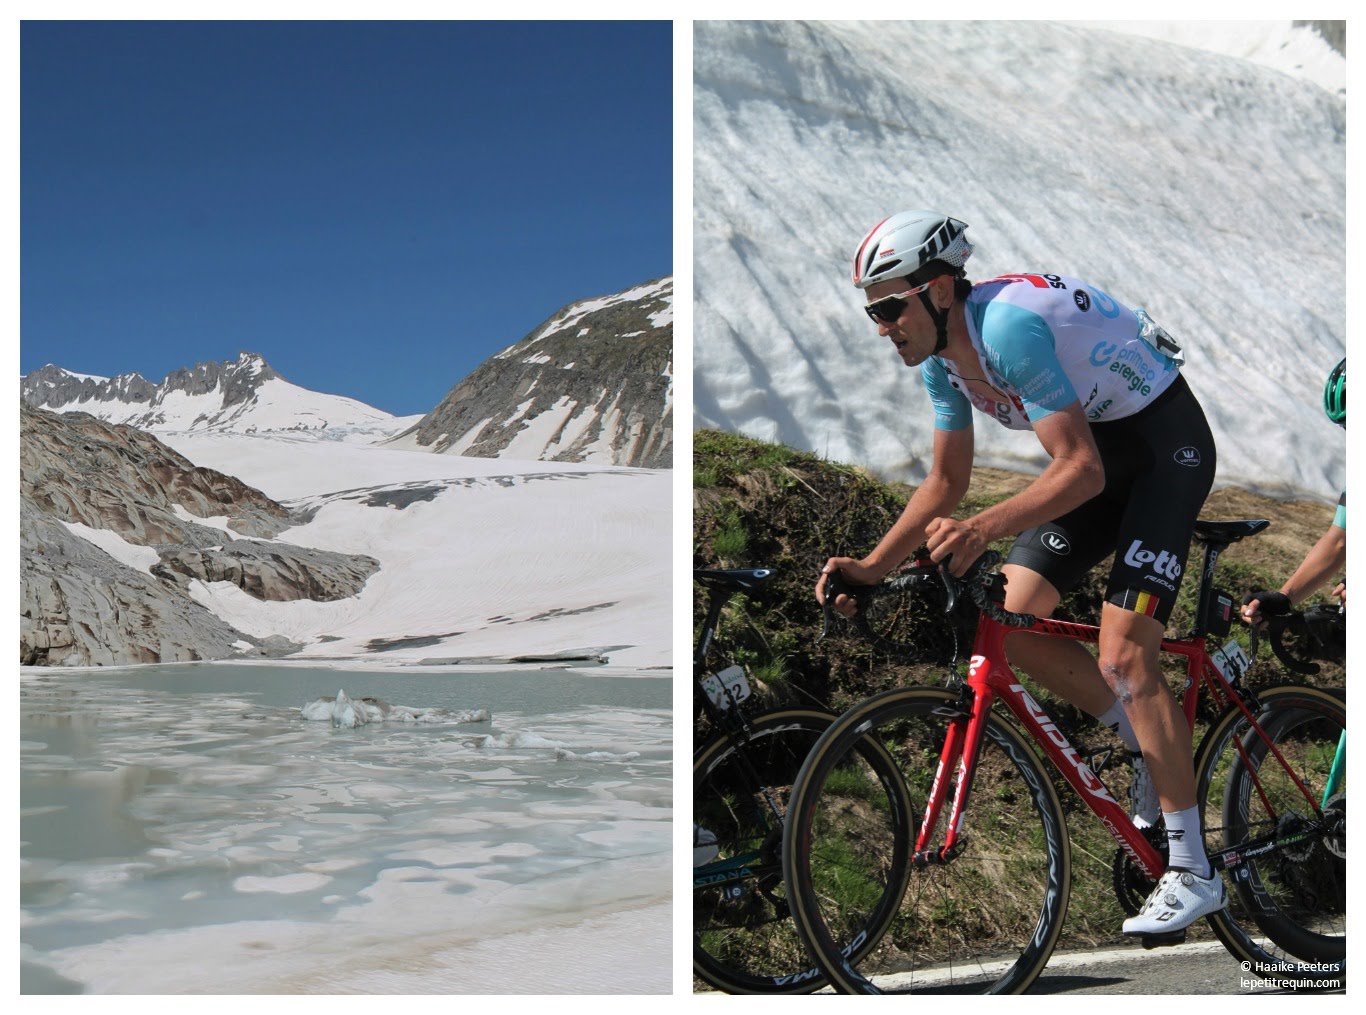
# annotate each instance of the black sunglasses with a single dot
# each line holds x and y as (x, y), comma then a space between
(888, 310)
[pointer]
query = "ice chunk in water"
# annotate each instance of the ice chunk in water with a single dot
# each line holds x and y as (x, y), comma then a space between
(348, 712)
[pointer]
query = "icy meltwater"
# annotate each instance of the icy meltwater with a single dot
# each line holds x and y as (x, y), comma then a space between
(185, 829)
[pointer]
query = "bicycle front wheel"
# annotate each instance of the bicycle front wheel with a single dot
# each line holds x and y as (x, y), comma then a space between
(1281, 825)
(984, 921)
(743, 938)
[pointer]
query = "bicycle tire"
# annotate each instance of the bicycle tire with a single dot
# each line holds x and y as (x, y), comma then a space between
(743, 938)
(985, 921)
(1286, 917)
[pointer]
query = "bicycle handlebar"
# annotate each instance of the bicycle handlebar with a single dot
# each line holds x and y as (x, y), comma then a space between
(1276, 626)
(979, 584)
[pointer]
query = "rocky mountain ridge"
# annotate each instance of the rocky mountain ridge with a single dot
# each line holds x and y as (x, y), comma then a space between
(244, 395)
(114, 528)
(593, 383)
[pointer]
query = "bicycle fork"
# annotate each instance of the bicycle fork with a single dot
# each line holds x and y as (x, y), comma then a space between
(959, 755)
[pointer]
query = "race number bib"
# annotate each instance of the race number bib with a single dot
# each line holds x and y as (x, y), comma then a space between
(732, 678)
(1231, 661)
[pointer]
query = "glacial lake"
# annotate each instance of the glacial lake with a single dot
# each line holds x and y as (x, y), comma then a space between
(185, 830)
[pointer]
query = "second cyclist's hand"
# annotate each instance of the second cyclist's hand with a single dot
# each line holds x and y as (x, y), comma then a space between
(1257, 606)
(854, 573)
(960, 540)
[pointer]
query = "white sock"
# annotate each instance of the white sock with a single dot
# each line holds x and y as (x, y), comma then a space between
(1118, 720)
(1186, 844)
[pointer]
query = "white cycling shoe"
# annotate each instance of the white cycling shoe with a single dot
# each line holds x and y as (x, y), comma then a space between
(1179, 899)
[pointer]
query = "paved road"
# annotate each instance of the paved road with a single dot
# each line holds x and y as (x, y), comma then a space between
(1203, 967)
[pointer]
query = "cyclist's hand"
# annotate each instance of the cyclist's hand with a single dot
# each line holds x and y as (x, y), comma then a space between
(1341, 592)
(959, 540)
(853, 572)
(1257, 606)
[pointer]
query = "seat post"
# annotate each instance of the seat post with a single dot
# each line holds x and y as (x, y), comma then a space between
(1209, 558)
(716, 600)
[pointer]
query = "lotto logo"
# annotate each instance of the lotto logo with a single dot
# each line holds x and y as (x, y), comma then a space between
(1163, 562)
(1187, 456)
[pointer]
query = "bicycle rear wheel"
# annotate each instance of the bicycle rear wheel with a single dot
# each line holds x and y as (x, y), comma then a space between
(743, 937)
(983, 922)
(1287, 886)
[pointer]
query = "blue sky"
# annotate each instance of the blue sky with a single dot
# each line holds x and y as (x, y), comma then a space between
(375, 208)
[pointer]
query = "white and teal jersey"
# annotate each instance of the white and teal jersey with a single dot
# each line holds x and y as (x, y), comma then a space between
(1340, 516)
(1045, 342)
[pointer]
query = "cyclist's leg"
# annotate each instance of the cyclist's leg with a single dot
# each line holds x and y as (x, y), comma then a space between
(1168, 454)
(1066, 668)
(1044, 562)
(1129, 648)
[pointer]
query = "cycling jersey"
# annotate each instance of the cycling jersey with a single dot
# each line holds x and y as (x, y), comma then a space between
(1340, 516)
(1159, 466)
(1044, 342)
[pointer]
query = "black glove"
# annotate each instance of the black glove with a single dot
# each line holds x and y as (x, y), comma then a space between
(1272, 604)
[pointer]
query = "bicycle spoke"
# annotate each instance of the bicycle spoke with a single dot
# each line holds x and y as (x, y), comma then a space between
(744, 939)
(1286, 856)
(985, 920)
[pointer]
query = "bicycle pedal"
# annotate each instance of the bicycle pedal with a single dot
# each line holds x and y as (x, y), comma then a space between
(1176, 937)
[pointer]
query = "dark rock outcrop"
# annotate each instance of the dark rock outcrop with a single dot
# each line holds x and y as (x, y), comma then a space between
(593, 383)
(80, 605)
(76, 468)
(276, 572)
(1334, 33)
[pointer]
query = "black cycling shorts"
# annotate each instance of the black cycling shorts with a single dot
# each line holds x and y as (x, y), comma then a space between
(1159, 467)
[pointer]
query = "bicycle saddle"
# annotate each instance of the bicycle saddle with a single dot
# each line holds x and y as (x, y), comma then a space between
(1227, 532)
(741, 579)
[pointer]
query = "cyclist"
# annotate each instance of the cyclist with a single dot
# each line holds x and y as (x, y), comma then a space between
(1329, 555)
(1132, 460)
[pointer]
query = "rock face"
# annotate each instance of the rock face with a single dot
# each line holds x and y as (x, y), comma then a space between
(273, 572)
(594, 383)
(244, 396)
(78, 606)
(75, 468)
(82, 604)
(1334, 33)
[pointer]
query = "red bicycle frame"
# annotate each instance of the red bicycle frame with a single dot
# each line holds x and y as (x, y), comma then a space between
(990, 677)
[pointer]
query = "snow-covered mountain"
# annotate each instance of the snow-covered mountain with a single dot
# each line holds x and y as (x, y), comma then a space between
(1207, 188)
(208, 544)
(594, 383)
(373, 558)
(245, 396)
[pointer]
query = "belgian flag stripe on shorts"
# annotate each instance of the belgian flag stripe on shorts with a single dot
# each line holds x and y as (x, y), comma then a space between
(1140, 602)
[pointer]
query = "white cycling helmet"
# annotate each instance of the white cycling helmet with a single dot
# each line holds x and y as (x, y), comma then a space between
(901, 245)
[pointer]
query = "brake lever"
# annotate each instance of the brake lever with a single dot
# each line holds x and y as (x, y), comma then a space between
(835, 586)
(950, 586)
